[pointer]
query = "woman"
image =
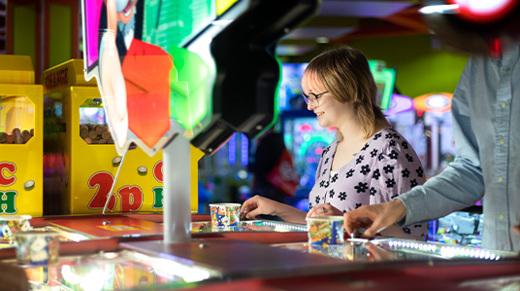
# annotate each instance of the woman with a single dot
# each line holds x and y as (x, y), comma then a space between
(368, 163)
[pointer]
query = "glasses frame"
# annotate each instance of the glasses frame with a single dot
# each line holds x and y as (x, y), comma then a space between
(314, 98)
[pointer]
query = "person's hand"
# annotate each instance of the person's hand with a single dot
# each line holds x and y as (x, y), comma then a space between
(374, 218)
(258, 205)
(324, 209)
(13, 278)
(516, 228)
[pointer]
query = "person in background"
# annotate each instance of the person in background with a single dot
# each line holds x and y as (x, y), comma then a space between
(486, 123)
(274, 176)
(368, 163)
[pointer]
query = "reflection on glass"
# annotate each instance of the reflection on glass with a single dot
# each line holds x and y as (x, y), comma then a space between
(16, 120)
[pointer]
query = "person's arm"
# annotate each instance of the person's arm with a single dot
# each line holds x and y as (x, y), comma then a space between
(259, 205)
(461, 183)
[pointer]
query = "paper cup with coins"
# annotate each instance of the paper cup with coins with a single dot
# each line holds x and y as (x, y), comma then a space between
(12, 224)
(37, 248)
(326, 230)
(225, 214)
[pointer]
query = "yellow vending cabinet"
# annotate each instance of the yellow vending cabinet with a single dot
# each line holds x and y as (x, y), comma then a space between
(81, 161)
(21, 138)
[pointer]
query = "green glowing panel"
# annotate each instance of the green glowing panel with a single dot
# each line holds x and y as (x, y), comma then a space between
(189, 89)
(170, 24)
(385, 81)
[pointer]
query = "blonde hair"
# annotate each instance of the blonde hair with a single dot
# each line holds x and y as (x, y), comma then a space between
(345, 73)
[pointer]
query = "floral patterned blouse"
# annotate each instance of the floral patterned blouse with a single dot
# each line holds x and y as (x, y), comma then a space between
(384, 168)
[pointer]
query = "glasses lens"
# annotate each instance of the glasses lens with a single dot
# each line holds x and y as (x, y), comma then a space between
(305, 98)
(311, 100)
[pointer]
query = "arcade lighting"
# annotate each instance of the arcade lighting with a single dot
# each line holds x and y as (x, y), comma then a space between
(399, 103)
(433, 102)
(478, 11)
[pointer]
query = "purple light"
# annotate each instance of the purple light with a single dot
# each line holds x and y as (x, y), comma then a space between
(399, 103)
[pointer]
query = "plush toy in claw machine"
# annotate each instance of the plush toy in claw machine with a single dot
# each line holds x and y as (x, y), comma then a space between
(21, 138)
(81, 162)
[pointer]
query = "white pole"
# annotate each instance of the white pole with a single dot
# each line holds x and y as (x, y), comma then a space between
(177, 188)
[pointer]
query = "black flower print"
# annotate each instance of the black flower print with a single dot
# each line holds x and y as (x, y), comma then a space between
(358, 205)
(327, 184)
(417, 225)
(350, 173)
(377, 174)
(404, 144)
(419, 172)
(373, 191)
(381, 157)
(396, 136)
(393, 196)
(388, 169)
(310, 205)
(324, 172)
(364, 147)
(388, 135)
(342, 196)
(365, 169)
(392, 143)
(406, 230)
(413, 183)
(405, 173)
(377, 135)
(393, 155)
(390, 183)
(331, 193)
(409, 158)
(317, 200)
(325, 151)
(326, 161)
(373, 153)
(334, 178)
(361, 187)
(360, 159)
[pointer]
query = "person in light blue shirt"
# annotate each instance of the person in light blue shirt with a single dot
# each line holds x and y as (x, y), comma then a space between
(486, 120)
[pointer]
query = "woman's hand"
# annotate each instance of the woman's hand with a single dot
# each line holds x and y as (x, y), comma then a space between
(258, 205)
(324, 209)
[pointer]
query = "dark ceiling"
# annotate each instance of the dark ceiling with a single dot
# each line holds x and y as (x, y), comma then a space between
(342, 21)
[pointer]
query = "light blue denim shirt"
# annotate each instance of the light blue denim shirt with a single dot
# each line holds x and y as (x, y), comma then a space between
(486, 120)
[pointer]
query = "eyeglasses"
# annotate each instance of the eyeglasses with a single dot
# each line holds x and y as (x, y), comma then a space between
(313, 99)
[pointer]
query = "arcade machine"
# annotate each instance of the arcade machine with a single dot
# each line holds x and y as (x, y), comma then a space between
(218, 261)
(434, 115)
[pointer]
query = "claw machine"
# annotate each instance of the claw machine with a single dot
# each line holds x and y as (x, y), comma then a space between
(21, 138)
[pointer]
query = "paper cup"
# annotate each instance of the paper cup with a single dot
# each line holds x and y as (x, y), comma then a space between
(37, 248)
(225, 214)
(326, 230)
(12, 224)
